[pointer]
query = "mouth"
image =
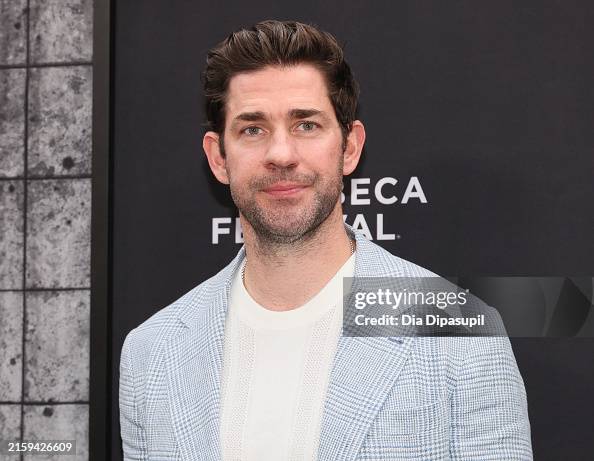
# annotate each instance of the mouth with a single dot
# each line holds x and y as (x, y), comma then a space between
(284, 189)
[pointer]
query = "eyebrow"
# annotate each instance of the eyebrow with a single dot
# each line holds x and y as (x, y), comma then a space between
(306, 113)
(259, 116)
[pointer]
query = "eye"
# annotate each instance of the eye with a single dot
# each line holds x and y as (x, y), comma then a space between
(252, 130)
(308, 126)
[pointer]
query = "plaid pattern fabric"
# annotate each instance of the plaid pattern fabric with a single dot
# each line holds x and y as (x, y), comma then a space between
(407, 398)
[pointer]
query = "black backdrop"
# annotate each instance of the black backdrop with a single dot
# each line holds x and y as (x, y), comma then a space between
(485, 109)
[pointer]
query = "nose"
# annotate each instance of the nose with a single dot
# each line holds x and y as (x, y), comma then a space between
(282, 151)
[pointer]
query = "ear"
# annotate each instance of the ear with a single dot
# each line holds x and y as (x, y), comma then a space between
(354, 147)
(217, 163)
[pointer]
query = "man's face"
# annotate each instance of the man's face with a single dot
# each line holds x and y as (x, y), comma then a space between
(283, 147)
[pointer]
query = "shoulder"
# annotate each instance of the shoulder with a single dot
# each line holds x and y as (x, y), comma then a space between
(141, 342)
(374, 261)
(173, 318)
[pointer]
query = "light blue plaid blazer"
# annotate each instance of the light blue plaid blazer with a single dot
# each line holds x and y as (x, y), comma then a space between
(410, 398)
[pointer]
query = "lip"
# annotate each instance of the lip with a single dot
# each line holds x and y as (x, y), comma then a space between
(284, 189)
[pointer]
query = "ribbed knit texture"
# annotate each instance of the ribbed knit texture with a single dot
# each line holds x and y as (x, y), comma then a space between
(276, 367)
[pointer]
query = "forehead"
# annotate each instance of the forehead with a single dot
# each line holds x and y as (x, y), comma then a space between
(276, 90)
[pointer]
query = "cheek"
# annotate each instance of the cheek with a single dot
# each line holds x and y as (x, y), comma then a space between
(238, 171)
(329, 165)
(321, 154)
(244, 182)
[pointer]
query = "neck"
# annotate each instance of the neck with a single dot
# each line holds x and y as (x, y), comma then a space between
(285, 276)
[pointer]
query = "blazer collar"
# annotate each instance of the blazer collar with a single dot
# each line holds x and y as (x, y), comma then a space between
(195, 356)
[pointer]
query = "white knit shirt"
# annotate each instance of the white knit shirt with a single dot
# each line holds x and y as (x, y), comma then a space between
(276, 367)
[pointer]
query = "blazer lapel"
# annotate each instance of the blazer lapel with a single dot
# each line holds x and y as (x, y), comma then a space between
(364, 371)
(193, 384)
(194, 363)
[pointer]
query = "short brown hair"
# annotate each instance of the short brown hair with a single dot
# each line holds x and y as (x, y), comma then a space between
(279, 43)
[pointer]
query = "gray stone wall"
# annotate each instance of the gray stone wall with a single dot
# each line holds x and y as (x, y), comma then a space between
(45, 217)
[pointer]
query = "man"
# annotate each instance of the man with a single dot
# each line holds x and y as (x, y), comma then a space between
(251, 364)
